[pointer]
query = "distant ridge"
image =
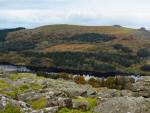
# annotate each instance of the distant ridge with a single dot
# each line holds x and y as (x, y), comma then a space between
(90, 48)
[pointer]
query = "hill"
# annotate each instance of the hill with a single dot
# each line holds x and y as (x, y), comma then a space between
(92, 48)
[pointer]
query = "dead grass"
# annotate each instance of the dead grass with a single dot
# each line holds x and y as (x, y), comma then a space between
(70, 47)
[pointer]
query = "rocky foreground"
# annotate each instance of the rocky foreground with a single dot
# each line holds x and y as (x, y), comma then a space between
(28, 93)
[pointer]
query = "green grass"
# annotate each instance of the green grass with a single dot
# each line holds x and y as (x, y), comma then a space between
(11, 109)
(38, 104)
(3, 84)
(66, 110)
(92, 101)
(17, 76)
(35, 86)
(17, 90)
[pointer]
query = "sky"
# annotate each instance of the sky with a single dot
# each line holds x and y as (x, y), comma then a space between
(34, 13)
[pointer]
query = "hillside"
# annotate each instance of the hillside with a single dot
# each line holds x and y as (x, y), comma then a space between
(92, 48)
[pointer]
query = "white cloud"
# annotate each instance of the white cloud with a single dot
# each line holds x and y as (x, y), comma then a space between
(96, 12)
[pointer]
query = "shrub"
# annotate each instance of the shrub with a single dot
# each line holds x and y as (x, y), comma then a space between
(47, 75)
(122, 48)
(79, 80)
(105, 67)
(143, 52)
(118, 82)
(4, 32)
(121, 82)
(90, 37)
(145, 68)
(65, 76)
(94, 82)
(110, 82)
(78, 60)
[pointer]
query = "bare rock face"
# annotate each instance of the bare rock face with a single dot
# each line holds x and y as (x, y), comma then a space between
(142, 87)
(124, 105)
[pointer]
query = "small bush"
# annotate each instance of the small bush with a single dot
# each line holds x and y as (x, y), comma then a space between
(145, 68)
(143, 52)
(79, 80)
(47, 75)
(94, 82)
(118, 82)
(65, 76)
(122, 48)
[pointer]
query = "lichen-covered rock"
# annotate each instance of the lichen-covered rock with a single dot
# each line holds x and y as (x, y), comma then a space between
(46, 110)
(142, 87)
(124, 105)
(59, 101)
(82, 105)
(65, 102)
(22, 105)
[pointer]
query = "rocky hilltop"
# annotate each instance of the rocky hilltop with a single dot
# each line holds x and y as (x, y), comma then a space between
(29, 93)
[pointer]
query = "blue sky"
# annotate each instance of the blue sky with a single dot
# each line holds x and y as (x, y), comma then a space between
(33, 13)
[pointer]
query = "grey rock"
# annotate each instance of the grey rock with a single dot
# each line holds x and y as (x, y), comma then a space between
(4, 101)
(65, 102)
(59, 101)
(81, 105)
(46, 110)
(124, 105)
(29, 96)
(142, 87)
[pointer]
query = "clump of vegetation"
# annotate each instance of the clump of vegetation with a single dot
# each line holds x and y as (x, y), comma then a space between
(117, 82)
(11, 109)
(79, 80)
(23, 88)
(35, 86)
(145, 67)
(90, 37)
(14, 93)
(66, 110)
(3, 84)
(56, 76)
(94, 82)
(92, 101)
(79, 61)
(143, 52)
(4, 32)
(65, 76)
(122, 48)
(17, 76)
(38, 104)
(17, 90)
